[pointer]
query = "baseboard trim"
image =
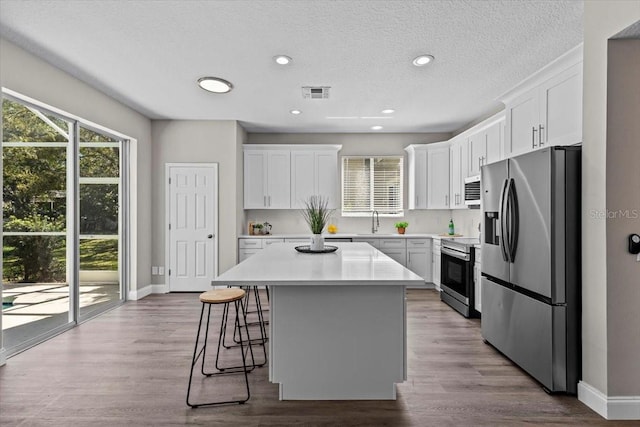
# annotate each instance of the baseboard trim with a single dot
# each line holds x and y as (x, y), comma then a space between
(160, 289)
(3, 356)
(137, 294)
(609, 407)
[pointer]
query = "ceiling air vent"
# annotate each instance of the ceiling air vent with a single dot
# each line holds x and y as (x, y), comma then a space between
(315, 92)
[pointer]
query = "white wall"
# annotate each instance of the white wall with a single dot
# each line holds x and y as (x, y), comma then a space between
(603, 19)
(198, 141)
(623, 200)
(29, 75)
(425, 221)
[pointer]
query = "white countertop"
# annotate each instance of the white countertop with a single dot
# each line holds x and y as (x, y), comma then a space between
(351, 264)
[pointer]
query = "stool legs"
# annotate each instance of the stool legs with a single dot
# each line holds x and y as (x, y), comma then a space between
(261, 323)
(239, 306)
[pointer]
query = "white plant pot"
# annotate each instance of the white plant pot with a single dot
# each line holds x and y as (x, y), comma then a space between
(317, 242)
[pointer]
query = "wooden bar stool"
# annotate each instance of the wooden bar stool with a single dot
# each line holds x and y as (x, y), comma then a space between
(224, 297)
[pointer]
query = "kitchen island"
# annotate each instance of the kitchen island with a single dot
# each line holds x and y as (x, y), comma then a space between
(337, 326)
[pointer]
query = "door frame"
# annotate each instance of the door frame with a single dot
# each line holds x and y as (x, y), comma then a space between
(167, 215)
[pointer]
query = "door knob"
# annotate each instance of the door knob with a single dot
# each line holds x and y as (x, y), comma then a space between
(210, 236)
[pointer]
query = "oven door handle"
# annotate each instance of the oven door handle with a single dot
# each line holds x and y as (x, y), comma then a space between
(454, 254)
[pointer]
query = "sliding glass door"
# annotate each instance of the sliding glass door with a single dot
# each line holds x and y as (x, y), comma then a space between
(100, 224)
(62, 223)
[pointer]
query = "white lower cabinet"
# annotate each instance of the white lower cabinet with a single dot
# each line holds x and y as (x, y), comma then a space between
(394, 248)
(437, 256)
(251, 246)
(477, 282)
(419, 258)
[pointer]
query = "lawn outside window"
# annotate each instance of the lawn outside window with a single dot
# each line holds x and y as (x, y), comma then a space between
(372, 184)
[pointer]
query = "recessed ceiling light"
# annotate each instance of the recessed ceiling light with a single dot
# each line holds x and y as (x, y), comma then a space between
(295, 112)
(422, 60)
(215, 84)
(282, 59)
(377, 127)
(388, 111)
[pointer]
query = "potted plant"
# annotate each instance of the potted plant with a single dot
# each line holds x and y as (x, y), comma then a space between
(316, 214)
(257, 229)
(401, 226)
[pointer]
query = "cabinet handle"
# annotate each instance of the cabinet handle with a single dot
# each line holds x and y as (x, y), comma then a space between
(446, 199)
(533, 137)
(265, 202)
(269, 201)
(540, 129)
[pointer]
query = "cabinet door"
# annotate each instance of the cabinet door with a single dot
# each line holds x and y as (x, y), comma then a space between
(246, 253)
(326, 177)
(419, 261)
(561, 108)
(458, 172)
(477, 287)
(522, 124)
(477, 152)
(255, 186)
(494, 143)
(399, 254)
(436, 269)
(303, 177)
(278, 179)
(438, 178)
(418, 179)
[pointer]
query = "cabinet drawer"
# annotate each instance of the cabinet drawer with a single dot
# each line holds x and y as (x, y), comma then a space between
(418, 243)
(268, 242)
(246, 253)
(392, 243)
(250, 243)
(373, 242)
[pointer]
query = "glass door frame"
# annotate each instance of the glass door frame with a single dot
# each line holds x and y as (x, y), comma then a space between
(73, 218)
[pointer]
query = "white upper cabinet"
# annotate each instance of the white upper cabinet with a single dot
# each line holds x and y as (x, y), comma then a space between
(266, 179)
(429, 175)
(283, 176)
(561, 108)
(458, 172)
(417, 159)
(438, 176)
(255, 184)
(485, 144)
(314, 173)
(546, 109)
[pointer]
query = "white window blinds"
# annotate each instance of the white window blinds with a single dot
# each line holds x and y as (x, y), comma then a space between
(372, 184)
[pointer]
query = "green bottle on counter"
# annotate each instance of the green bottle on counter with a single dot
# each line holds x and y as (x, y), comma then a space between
(451, 228)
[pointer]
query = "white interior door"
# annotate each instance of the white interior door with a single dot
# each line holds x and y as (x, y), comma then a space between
(193, 218)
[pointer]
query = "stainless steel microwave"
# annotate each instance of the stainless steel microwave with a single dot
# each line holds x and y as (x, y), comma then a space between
(472, 191)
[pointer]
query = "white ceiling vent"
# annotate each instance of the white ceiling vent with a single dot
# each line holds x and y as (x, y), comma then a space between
(315, 92)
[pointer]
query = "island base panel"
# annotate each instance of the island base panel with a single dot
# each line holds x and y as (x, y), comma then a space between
(337, 342)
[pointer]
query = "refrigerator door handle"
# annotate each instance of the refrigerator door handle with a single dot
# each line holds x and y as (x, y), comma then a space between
(514, 221)
(503, 200)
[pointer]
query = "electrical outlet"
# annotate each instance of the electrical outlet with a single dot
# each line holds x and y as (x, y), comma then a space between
(154, 271)
(161, 271)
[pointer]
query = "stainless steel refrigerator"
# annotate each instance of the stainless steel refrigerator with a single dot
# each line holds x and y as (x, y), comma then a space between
(531, 263)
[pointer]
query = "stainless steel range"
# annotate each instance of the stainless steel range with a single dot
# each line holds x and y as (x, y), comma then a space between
(456, 281)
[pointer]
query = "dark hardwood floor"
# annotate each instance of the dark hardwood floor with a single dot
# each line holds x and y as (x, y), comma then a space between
(130, 367)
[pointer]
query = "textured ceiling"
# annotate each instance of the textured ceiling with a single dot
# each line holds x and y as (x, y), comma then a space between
(149, 54)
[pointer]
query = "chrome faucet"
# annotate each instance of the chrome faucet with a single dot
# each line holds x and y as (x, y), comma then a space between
(375, 223)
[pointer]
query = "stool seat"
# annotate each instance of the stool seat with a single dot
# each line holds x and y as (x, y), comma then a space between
(221, 296)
